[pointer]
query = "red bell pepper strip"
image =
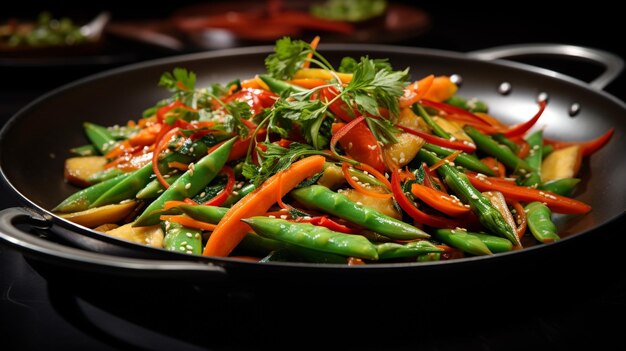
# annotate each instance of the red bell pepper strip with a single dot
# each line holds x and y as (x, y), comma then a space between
(587, 147)
(324, 221)
(414, 212)
(162, 111)
(257, 99)
(557, 203)
(522, 128)
(433, 139)
(219, 199)
(358, 142)
(439, 200)
(338, 107)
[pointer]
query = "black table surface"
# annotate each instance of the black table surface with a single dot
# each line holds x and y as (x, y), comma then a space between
(47, 309)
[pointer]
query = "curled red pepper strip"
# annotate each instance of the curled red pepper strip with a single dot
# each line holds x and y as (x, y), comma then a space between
(162, 111)
(450, 109)
(415, 213)
(324, 221)
(433, 139)
(343, 131)
(164, 137)
(523, 127)
(587, 147)
(220, 198)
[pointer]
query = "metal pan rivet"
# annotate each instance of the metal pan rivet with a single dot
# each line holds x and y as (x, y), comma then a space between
(543, 96)
(505, 88)
(574, 109)
(456, 79)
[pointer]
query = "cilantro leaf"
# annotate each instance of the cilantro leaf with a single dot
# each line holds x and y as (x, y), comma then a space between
(237, 110)
(287, 58)
(180, 79)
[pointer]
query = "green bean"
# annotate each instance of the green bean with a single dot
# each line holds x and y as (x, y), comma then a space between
(437, 130)
(261, 246)
(154, 188)
(189, 184)
(204, 213)
(466, 160)
(100, 137)
(502, 139)
(313, 237)
(127, 188)
(535, 141)
(323, 199)
(540, 222)
(462, 241)
(563, 186)
(410, 249)
(182, 239)
(429, 257)
(486, 144)
(472, 105)
(81, 200)
(487, 214)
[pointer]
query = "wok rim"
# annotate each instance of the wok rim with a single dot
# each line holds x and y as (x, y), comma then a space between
(335, 47)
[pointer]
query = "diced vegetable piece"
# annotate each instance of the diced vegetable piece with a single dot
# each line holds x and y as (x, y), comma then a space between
(441, 89)
(453, 128)
(561, 163)
(404, 150)
(96, 216)
(384, 206)
(149, 235)
(78, 169)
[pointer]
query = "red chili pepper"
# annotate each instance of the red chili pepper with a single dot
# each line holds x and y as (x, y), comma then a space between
(439, 200)
(587, 147)
(522, 128)
(450, 109)
(415, 213)
(257, 99)
(324, 221)
(557, 203)
(433, 139)
(358, 142)
(220, 198)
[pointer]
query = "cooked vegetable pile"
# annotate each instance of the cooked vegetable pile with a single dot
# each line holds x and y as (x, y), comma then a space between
(46, 31)
(310, 163)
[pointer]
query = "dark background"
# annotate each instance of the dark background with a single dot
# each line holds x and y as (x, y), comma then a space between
(43, 309)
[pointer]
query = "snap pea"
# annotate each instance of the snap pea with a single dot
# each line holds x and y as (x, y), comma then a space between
(495, 244)
(540, 222)
(313, 237)
(240, 193)
(437, 130)
(261, 246)
(487, 214)
(429, 257)
(563, 186)
(280, 86)
(154, 188)
(410, 249)
(321, 198)
(182, 239)
(104, 175)
(99, 136)
(85, 150)
(189, 184)
(127, 188)
(535, 155)
(208, 214)
(82, 199)
(465, 160)
(488, 145)
(472, 105)
(502, 139)
(462, 241)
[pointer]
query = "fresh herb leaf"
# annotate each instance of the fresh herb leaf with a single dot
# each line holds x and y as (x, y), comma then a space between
(275, 159)
(383, 130)
(349, 64)
(237, 110)
(180, 79)
(287, 58)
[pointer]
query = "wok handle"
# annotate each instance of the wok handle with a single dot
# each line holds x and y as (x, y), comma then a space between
(69, 257)
(612, 63)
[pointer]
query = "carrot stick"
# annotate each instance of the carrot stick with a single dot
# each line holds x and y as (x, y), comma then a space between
(231, 230)
(188, 222)
(308, 83)
(314, 44)
(358, 187)
(414, 92)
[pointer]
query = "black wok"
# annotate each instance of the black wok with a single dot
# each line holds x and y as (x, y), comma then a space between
(34, 143)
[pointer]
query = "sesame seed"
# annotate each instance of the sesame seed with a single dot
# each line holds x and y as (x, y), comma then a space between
(197, 235)
(272, 216)
(188, 186)
(307, 217)
(203, 194)
(188, 234)
(359, 203)
(166, 176)
(283, 216)
(189, 251)
(184, 243)
(235, 193)
(182, 248)
(189, 247)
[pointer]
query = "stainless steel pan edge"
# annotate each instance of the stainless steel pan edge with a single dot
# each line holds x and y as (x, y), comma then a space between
(57, 253)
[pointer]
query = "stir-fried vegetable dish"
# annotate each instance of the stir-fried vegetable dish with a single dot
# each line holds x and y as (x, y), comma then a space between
(309, 162)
